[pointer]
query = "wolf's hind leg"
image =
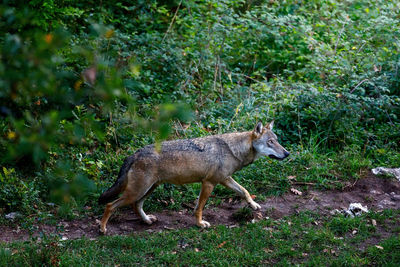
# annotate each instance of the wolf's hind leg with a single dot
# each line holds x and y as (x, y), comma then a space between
(241, 191)
(110, 207)
(138, 207)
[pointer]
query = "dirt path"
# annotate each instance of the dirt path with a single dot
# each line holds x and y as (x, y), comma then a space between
(373, 192)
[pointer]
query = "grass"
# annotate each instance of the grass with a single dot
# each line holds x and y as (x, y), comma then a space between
(306, 239)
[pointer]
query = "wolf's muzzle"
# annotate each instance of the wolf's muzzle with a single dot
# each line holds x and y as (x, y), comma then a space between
(285, 155)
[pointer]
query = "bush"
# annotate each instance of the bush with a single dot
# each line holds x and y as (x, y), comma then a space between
(16, 194)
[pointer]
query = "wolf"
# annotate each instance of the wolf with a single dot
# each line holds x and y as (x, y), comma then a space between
(209, 160)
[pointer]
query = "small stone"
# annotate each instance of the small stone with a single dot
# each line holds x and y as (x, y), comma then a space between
(373, 221)
(258, 215)
(124, 227)
(335, 211)
(386, 202)
(395, 197)
(375, 192)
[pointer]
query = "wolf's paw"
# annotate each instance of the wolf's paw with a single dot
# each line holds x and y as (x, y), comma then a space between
(102, 229)
(203, 224)
(150, 219)
(255, 206)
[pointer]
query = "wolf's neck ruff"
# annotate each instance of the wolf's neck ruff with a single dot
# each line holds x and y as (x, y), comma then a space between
(241, 147)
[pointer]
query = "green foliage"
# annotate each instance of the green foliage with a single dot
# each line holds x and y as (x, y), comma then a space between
(17, 194)
(55, 96)
(243, 215)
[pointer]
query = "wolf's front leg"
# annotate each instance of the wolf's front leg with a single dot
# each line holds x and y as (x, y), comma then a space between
(206, 189)
(241, 191)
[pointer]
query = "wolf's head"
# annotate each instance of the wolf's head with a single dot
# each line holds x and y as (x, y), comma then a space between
(266, 144)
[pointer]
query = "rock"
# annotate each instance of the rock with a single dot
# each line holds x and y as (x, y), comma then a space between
(384, 203)
(13, 215)
(355, 209)
(124, 227)
(395, 197)
(335, 211)
(387, 171)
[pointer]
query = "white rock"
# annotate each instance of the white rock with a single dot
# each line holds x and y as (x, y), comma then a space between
(391, 171)
(356, 209)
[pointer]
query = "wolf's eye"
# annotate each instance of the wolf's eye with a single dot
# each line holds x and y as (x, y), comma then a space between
(270, 142)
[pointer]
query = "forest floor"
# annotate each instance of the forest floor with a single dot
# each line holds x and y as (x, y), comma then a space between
(374, 192)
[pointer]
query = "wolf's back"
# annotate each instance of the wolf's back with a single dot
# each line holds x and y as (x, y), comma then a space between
(113, 192)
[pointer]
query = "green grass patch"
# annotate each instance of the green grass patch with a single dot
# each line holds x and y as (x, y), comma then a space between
(306, 238)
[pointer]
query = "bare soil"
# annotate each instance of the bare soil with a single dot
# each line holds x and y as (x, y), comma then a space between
(374, 192)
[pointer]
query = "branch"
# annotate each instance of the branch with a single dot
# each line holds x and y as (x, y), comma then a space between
(172, 22)
(352, 90)
(340, 34)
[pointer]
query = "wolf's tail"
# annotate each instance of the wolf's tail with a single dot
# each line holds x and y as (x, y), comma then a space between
(117, 187)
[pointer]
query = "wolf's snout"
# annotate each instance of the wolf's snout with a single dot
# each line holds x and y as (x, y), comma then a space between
(286, 153)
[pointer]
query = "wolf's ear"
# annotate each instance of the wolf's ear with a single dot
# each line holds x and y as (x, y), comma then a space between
(258, 129)
(270, 125)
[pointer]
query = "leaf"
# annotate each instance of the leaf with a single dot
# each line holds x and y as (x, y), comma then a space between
(222, 244)
(296, 192)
